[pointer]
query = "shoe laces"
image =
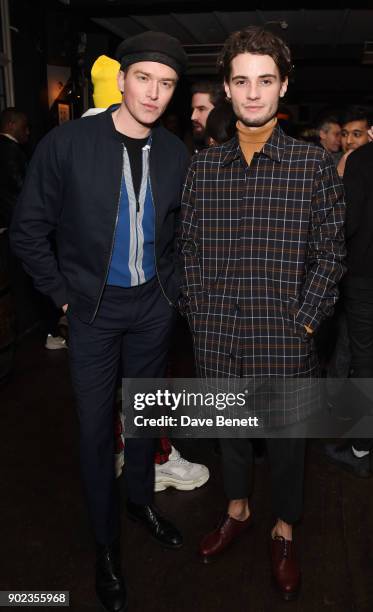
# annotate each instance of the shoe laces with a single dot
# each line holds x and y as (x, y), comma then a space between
(285, 546)
(181, 461)
(177, 458)
(285, 550)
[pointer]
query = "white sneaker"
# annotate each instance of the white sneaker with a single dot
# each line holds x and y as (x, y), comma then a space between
(179, 473)
(55, 342)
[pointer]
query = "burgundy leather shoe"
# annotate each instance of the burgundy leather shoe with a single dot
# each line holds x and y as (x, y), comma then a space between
(285, 568)
(218, 540)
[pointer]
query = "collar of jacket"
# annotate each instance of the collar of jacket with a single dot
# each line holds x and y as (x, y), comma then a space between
(273, 148)
(111, 127)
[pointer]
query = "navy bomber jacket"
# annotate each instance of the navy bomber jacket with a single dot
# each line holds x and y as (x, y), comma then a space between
(72, 189)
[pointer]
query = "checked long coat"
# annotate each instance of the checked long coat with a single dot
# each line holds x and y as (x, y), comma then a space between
(262, 248)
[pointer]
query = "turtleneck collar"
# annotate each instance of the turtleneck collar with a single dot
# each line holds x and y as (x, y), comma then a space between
(252, 141)
(258, 136)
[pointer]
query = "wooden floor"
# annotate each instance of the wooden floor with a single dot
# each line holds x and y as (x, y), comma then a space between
(46, 543)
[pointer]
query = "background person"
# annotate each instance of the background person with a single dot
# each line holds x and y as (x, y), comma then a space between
(14, 133)
(357, 289)
(329, 133)
(205, 96)
(355, 132)
(220, 125)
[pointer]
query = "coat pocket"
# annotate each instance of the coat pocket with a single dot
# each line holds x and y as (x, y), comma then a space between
(290, 309)
(197, 314)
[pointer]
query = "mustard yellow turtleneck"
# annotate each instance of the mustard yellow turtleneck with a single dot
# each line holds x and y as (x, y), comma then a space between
(252, 140)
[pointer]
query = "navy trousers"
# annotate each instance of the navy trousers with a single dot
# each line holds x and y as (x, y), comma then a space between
(358, 296)
(131, 331)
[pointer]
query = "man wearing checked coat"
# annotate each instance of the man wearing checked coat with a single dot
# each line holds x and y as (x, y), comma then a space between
(262, 247)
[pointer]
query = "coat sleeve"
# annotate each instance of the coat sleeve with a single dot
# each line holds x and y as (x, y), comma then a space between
(326, 248)
(36, 218)
(188, 247)
(183, 169)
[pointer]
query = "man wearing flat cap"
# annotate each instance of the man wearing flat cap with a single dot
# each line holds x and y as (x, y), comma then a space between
(110, 186)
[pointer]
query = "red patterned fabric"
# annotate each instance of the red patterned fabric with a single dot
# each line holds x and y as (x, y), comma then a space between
(163, 451)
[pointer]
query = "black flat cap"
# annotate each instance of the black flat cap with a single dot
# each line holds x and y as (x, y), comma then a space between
(153, 47)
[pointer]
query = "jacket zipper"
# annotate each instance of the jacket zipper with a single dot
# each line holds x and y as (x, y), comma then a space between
(155, 255)
(137, 240)
(112, 242)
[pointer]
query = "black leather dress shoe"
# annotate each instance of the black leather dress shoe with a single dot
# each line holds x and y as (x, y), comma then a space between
(160, 528)
(110, 587)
